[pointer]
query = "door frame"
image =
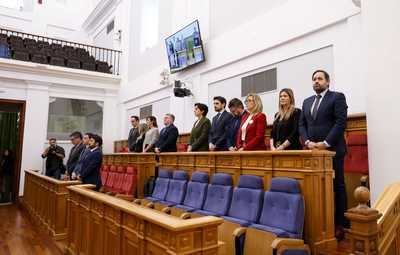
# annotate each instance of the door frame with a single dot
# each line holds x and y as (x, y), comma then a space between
(20, 141)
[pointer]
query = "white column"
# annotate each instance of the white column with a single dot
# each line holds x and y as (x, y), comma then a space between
(35, 130)
(111, 115)
(381, 24)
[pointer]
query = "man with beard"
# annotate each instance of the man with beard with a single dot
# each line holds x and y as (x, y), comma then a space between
(321, 126)
(91, 162)
(217, 138)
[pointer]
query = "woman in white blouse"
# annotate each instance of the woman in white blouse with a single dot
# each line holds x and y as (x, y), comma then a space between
(152, 134)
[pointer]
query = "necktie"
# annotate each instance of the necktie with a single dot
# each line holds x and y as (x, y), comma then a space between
(218, 115)
(316, 106)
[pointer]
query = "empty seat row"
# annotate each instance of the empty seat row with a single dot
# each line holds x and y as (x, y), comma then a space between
(119, 180)
(242, 204)
(279, 211)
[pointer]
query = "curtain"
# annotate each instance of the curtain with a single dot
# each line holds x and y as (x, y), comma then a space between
(8, 130)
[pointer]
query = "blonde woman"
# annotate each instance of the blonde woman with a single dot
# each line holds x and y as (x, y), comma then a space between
(250, 136)
(140, 139)
(285, 130)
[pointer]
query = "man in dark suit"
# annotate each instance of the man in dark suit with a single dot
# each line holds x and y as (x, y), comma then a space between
(237, 110)
(133, 133)
(78, 166)
(91, 163)
(168, 135)
(322, 124)
(218, 139)
(74, 154)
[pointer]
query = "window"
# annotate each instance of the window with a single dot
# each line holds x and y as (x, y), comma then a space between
(149, 24)
(259, 82)
(69, 115)
(13, 4)
(146, 112)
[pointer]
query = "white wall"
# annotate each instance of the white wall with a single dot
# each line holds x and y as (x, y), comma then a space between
(36, 86)
(382, 60)
(282, 32)
(56, 19)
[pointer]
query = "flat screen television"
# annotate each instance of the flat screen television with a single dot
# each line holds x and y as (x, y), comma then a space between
(185, 48)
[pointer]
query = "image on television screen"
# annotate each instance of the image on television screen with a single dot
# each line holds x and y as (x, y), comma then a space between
(184, 48)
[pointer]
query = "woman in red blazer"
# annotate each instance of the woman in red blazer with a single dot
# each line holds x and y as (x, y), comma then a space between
(250, 136)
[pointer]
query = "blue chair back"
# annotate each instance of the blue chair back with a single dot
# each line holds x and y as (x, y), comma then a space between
(162, 183)
(247, 198)
(219, 194)
(196, 190)
(284, 207)
(4, 51)
(177, 187)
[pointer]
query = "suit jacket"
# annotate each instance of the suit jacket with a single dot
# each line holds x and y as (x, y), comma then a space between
(233, 127)
(199, 135)
(73, 158)
(218, 131)
(255, 133)
(133, 135)
(329, 124)
(91, 163)
(167, 140)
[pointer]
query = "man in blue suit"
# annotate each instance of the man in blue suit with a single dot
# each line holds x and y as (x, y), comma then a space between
(91, 163)
(322, 125)
(218, 138)
(168, 135)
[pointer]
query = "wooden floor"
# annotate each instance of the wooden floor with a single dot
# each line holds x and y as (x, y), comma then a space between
(19, 236)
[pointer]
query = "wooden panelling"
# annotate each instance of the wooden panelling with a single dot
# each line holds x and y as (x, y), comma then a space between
(45, 199)
(127, 228)
(313, 170)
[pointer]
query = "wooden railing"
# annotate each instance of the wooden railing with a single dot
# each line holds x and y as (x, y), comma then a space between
(101, 224)
(376, 230)
(45, 199)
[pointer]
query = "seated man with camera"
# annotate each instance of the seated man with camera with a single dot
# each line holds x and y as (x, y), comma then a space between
(54, 155)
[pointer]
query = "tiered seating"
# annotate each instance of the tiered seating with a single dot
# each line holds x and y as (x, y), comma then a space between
(28, 49)
(275, 214)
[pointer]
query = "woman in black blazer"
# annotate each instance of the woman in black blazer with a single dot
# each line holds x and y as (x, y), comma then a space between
(201, 128)
(285, 130)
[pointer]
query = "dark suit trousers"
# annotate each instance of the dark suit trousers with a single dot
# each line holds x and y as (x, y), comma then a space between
(340, 191)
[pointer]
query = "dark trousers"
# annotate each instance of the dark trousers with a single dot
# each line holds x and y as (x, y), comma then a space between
(340, 192)
(55, 173)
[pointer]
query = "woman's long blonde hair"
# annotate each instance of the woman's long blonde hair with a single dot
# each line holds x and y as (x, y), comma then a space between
(257, 102)
(282, 113)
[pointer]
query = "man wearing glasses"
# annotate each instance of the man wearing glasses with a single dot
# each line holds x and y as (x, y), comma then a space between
(76, 140)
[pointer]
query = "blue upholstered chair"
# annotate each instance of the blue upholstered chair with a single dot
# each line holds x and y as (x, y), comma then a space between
(161, 186)
(280, 226)
(283, 210)
(176, 190)
(246, 200)
(195, 193)
(219, 195)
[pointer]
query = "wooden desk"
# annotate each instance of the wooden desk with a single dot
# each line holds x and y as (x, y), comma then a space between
(45, 199)
(101, 224)
(313, 170)
(144, 162)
